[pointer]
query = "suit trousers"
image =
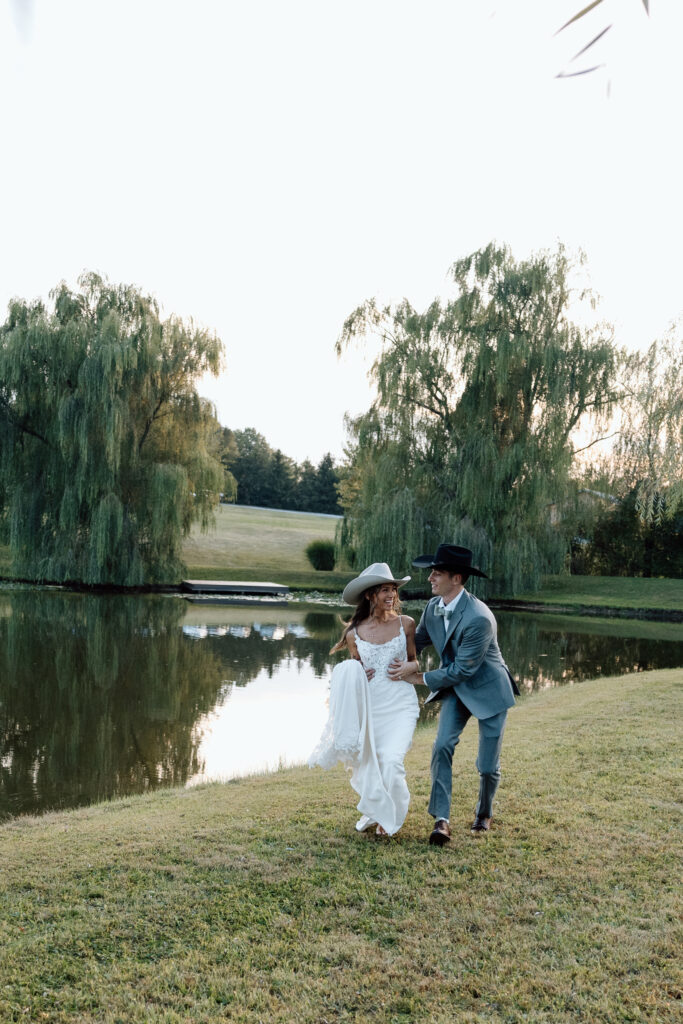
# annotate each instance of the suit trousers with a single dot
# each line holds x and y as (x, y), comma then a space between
(453, 717)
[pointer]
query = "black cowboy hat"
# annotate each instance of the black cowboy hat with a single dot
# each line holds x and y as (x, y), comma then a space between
(451, 558)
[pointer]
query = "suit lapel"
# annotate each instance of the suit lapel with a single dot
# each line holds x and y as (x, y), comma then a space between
(457, 615)
(438, 630)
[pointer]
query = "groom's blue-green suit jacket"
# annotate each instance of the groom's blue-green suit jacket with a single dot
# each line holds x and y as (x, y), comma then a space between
(471, 661)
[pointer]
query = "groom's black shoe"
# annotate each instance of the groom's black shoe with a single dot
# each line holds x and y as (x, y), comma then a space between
(480, 826)
(441, 833)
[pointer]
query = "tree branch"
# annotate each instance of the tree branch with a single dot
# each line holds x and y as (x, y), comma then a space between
(21, 425)
(442, 415)
(596, 441)
(150, 421)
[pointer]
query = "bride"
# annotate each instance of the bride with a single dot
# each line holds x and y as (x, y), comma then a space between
(372, 717)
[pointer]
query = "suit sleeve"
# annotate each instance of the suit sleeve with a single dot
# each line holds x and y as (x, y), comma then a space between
(422, 637)
(474, 644)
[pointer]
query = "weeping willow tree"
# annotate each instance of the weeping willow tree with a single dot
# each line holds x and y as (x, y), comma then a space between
(648, 455)
(469, 438)
(105, 457)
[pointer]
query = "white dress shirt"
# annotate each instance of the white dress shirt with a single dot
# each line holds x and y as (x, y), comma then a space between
(450, 607)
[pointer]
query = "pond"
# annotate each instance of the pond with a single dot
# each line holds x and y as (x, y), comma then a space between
(103, 696)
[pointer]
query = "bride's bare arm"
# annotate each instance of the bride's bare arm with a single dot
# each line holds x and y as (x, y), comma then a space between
(409, 627)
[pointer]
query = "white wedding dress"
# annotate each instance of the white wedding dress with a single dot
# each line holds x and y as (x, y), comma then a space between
(370, 728)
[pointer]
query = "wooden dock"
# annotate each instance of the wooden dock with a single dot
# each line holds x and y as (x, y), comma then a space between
(227, 589)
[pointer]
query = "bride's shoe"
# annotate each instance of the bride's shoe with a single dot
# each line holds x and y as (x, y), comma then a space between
(364, 824)
(382, 833)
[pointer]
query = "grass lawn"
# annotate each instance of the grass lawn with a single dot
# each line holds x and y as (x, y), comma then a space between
(610, 591)
(255, 901)
(262, 544)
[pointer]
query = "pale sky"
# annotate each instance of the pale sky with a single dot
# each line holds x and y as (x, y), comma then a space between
(263, 167)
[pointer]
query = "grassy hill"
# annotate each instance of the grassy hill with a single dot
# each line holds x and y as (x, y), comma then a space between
(262, 544)
(244, 537)
(256, 901)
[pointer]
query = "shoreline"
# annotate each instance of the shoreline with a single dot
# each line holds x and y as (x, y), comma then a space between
(594, 610)
(521, 604)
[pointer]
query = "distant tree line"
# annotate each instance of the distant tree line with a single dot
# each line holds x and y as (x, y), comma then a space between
(256, 474)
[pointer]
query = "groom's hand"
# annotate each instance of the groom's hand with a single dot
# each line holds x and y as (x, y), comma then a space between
(408, 671)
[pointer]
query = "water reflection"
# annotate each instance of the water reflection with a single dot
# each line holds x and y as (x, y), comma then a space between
(98, 697)
(272, 722)
(105, 696)
(548, 650)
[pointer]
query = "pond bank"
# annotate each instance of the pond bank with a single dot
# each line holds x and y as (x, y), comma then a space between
(649, 614)
(662, 602)
(256, 901)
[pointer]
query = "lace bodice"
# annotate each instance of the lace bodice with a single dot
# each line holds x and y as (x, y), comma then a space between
(379, 656)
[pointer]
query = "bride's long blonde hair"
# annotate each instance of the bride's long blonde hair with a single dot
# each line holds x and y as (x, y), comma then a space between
(364, 610)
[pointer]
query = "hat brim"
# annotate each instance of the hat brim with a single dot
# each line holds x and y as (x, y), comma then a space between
(427, 562)
(354, 590)
(424, 562)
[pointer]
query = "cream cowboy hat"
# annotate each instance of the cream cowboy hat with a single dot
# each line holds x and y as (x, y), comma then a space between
(374, 575)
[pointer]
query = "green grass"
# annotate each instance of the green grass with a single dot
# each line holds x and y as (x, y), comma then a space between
(255, 901)
(609, 591)
(262, 544)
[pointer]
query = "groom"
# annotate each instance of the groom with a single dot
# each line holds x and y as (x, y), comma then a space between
(472, 680)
